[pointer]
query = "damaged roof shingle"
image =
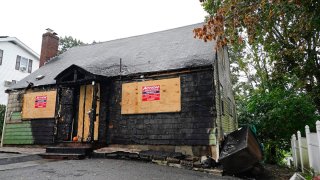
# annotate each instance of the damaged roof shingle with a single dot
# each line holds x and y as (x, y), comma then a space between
(159, 51)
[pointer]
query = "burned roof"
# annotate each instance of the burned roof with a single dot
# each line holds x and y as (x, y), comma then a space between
(165, 50)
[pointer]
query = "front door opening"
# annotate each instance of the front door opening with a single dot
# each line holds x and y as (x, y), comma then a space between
(73, 119)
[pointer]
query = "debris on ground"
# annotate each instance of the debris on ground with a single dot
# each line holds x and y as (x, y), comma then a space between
(208, 162)
(297, 176)
(240, 151)
(172, 159)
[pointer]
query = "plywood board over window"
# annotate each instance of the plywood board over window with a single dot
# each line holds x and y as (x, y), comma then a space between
(37, 105)
(153, 96)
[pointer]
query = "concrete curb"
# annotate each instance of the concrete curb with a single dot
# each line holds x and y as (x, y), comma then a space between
(19, 159)
(18, 150)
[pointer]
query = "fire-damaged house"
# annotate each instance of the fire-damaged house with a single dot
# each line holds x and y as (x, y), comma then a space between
(162, 90)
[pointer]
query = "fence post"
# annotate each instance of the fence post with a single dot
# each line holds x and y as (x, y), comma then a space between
(318, 137)
(309, 146)
(4, 126)
(300, 150)
(294, 150)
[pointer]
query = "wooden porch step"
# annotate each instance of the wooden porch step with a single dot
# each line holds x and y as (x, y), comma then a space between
(62, 156)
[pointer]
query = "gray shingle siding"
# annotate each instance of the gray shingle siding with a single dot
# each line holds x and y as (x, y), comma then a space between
(191, 126)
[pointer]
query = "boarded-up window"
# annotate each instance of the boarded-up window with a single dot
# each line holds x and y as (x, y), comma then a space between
(38, 105)
(151, 96)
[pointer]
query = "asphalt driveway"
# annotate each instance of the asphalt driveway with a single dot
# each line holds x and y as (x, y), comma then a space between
(106, 169)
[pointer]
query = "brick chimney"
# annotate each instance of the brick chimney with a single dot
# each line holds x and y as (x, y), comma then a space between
(49, 47)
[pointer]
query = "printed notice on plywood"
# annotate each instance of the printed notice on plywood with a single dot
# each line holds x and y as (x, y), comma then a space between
(37, 105)
(151, 93)
(151, 96)
(40, 102)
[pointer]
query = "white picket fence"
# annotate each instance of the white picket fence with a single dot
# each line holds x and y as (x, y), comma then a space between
(306, 150)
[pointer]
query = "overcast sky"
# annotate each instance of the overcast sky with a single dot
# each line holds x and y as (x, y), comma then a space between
(94, 20)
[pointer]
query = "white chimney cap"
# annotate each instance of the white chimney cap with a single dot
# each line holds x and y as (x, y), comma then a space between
(49, 30)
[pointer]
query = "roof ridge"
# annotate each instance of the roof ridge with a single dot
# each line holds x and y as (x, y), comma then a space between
(139, 35)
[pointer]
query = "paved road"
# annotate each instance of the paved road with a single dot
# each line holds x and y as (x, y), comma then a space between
(106, 169)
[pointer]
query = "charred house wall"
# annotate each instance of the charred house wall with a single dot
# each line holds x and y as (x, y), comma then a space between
(192, 126)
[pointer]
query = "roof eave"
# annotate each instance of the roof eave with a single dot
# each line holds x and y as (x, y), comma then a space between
(22, 45)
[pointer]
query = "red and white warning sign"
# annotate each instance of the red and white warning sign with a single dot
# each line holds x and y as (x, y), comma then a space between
(151, 93)
(40, 102)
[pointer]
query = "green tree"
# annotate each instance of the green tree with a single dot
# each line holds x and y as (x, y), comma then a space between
(68, 42)
(274, 52)
(288, 31)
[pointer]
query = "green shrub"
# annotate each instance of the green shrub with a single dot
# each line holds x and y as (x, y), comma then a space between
(277, 114)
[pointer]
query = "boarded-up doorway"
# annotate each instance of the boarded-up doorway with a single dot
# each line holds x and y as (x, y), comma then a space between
(87, 96)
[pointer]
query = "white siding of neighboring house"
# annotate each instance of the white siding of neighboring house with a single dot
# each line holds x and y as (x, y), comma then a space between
(7, 68)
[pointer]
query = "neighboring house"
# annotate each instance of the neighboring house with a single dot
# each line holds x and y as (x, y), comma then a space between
(163, 90)
(16, 62)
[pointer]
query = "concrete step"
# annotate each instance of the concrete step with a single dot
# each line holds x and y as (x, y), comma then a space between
(70, 150)
(62, 156)
(74, 144)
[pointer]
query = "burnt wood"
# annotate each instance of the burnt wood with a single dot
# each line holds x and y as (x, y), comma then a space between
(66, 114)
(42, 131)
(189, 127)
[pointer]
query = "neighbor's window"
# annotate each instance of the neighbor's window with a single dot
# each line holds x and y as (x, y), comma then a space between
(222, 106)
(23, 64)
(1, 56)
(230, 107)
(221, 90)
(221, 98)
